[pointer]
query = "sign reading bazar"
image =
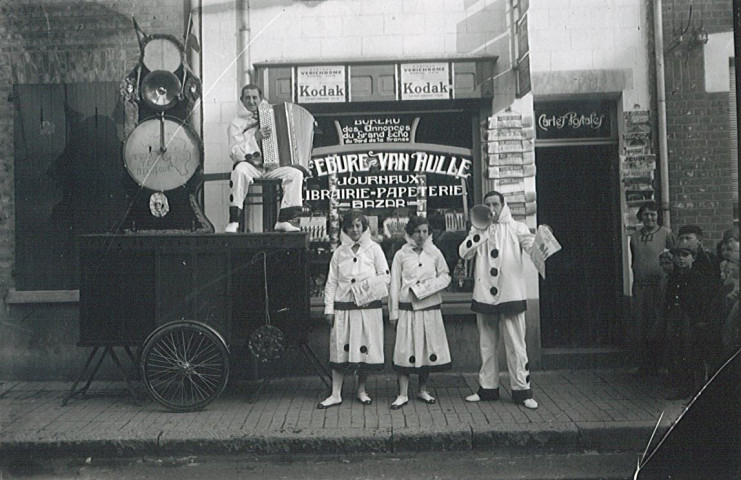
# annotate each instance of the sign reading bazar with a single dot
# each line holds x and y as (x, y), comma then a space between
(425, 81)
(321, 84)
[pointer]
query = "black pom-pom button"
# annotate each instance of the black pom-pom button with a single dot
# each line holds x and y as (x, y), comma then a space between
(476, 238)
(494, 291)
(412, 359)
(494, 253)
(363, 349)
(433, 358)
(494, 272)
(347, 347)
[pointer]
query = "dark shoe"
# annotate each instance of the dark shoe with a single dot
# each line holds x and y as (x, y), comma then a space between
(426, 397)
(325, 405)
(364, 399)
(484, 394)
(399, 402)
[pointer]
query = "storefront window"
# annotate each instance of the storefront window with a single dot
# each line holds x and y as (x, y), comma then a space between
(391, 166)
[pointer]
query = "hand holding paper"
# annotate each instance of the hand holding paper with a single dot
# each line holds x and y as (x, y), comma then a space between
(544, 246)
(372, 289)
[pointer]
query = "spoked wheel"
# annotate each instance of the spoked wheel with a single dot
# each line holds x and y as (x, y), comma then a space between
(185, 365)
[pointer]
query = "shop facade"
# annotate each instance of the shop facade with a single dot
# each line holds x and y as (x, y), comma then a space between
(421, 107)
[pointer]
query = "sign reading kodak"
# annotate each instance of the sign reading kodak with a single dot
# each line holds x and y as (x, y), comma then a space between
(321, 84)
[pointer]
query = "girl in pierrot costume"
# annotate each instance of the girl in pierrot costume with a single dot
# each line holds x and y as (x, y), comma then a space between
(421, 345)
(356, 338)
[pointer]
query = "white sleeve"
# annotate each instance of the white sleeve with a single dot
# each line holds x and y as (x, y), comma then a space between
(330, 287)
(475, 237)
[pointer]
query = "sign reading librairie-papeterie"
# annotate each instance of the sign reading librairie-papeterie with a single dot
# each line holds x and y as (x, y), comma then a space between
(321, 84)
(425, 81)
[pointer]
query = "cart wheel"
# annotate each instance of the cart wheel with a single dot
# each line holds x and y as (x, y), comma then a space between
(185, 365)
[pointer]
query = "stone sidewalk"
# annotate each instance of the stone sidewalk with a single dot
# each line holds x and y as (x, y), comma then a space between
(580, 410)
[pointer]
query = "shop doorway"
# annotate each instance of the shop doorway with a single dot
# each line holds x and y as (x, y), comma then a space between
(578, 196)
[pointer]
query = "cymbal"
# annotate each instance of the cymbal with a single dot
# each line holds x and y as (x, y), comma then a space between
(160, 89)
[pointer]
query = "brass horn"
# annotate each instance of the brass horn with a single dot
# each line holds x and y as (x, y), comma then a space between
(160, 89)
(481, 217)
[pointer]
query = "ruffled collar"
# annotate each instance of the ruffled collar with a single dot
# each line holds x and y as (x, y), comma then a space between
(411, 244)
(242, 111)
(365, 239)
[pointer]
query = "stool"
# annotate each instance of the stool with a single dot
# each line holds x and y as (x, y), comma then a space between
(269, 197)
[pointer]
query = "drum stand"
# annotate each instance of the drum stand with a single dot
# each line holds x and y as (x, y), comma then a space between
(107, 351)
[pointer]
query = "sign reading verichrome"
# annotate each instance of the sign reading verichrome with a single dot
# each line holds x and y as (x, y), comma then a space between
(425, 81)
(321, 84)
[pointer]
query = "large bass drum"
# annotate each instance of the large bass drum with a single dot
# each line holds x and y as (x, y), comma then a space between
(162, 154)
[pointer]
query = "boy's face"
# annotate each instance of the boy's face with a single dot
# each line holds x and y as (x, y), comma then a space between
(685, 259)
(690, 240)
(667, 264)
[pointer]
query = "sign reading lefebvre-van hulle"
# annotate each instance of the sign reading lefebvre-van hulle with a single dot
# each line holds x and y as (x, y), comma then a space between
(379, 164)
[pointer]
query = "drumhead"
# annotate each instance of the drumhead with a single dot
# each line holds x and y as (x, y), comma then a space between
(152, 168)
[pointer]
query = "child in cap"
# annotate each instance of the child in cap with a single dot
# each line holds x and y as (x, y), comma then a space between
(687, 296)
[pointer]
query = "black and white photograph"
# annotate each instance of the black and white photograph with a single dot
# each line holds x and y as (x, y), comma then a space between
(370, 239)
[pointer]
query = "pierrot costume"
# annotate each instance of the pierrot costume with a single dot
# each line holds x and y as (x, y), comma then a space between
(421, 345)
(500, 301)
(242, 141)
(356, 338)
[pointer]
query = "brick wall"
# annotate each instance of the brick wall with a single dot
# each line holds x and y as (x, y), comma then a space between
(52, 41)
(63, 42)
(697, 123)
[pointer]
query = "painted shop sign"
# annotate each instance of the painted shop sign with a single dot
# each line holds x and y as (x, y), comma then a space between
(321, 84)
(386, 161)
(425, 81)
(573, 120)
(419, 162)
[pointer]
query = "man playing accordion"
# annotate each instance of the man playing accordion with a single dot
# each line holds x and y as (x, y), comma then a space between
(245, 137)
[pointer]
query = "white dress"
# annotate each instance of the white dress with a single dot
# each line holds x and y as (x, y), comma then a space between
(356, 338)
(421, 343)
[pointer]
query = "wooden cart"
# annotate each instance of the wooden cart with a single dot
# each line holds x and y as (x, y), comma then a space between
(182, 300)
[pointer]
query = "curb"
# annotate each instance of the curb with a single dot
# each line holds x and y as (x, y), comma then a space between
(563, 438)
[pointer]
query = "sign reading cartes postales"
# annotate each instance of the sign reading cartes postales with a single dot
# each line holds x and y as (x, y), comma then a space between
(321, 84)
(425, 81)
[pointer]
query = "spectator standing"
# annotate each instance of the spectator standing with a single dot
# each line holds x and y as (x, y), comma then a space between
(687, 297)
(646, 245)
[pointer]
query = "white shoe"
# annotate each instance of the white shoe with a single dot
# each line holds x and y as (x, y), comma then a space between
(530, 403)
(473, 398)
(285, 227)
(231, 227)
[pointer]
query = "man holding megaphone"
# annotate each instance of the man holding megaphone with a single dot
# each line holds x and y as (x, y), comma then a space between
(497, 242)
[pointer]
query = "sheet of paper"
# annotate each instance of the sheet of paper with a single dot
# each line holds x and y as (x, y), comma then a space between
(374, 288)
(544, 246)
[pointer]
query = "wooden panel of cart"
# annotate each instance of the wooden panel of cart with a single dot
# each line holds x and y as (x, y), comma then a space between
(186, 298)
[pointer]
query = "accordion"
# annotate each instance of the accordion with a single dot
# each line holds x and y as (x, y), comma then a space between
(292, 136)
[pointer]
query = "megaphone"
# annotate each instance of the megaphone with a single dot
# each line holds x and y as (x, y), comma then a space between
(160, 89)
(481, 217)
